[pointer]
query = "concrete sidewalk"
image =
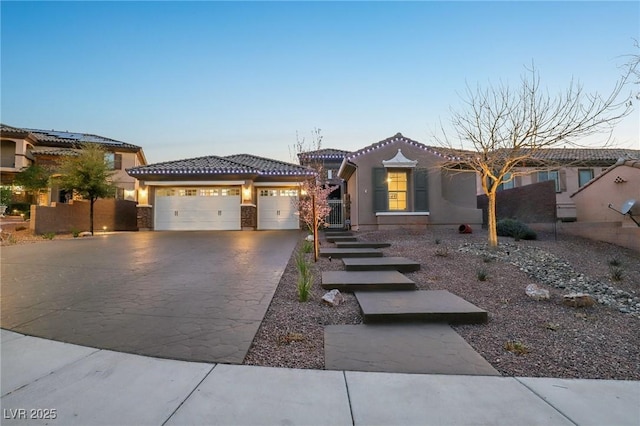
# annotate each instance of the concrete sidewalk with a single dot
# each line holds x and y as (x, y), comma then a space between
(48, 382)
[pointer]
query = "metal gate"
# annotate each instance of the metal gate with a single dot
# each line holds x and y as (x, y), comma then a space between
(336, 217)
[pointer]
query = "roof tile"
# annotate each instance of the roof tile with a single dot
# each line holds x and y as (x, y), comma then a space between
(232, 164)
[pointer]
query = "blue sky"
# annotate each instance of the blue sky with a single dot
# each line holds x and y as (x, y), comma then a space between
(187, 79)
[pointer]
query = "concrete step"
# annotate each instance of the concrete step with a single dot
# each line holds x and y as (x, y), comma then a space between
(401, 264)
(361, 244)
(341, 238)
(402, 348)
(423, 306)
(338, 234)
(366, 281)
(339, 253)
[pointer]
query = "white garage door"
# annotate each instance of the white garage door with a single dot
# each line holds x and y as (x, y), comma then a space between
(197, 209)
(276, 209)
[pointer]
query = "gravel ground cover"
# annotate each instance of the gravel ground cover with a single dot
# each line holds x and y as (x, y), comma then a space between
(524, 337)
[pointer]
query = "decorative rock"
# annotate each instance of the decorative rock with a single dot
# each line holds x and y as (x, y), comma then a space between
(333, 297)
(85, 234)
(551, 271)
(309, 237)
(537, 293)
(578, 300)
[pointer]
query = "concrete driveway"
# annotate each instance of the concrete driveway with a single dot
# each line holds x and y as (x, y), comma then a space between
(197, 296)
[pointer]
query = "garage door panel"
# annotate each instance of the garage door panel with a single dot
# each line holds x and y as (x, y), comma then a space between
(197, 211)
(276, 209)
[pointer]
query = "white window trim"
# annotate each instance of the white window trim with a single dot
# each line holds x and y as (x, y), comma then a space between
(195, 183)
(402, 213)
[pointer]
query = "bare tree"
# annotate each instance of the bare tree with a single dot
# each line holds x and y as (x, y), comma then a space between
(507, 128)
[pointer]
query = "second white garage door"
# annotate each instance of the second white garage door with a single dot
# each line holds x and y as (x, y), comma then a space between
(276, 209)
(197, 209)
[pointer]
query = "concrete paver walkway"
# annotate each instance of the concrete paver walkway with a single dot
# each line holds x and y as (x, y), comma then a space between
(197, 296)
(420, 305)
(85, 386)
(402, 348)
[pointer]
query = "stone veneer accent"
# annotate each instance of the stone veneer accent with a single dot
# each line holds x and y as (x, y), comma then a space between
(145, 217)
(248, 217)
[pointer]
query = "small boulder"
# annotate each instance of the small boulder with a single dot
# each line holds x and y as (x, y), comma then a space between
(309, 237)
(85, 234)
(578, 300)
(333, 297)
(537, 293)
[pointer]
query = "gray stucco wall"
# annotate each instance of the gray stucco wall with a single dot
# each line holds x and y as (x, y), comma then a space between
(452, 196)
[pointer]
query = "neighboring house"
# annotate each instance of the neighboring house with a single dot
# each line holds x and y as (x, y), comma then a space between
(23, 147)
(330, 160)
(399, 182)
(221, 193)
(570, 169)
(615, 186)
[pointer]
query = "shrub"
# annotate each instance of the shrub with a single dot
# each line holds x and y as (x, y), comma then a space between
(305, 276)
(49, 235)
(616, 273)
(75, 232)
(516, 347)
(482, 274)
(307, 246)
(516, 229)
(614, 261)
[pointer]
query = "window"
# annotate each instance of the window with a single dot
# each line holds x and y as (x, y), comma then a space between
(397, 190)
(288, 192)
(110, 159)
(584, 176)
(329, 174)
(209, 192)
(229, 192)
(510, 184)
(550, 175)
(268, 193)
(187, 192)
(164, 192)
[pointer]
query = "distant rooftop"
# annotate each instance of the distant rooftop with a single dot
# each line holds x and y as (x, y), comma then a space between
(66, 138)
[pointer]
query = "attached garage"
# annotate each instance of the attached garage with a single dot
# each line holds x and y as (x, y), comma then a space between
(205, 209)
(236, 192)
(276, 208)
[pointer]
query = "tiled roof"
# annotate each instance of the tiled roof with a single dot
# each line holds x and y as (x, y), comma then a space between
(5, 129)
(447, 154)
(585, 155)
(48, 150)
(66, 139)
(324, 154)
(268, 166)
(214, 165)
(71, 139)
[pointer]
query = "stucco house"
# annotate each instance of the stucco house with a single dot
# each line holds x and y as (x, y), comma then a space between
(570, 169)
(22, 147)
(399, 182)
(616, 185)
(234, 192)
(330, 159)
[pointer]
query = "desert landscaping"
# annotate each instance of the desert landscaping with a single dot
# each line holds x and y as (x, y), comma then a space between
(524, 337)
